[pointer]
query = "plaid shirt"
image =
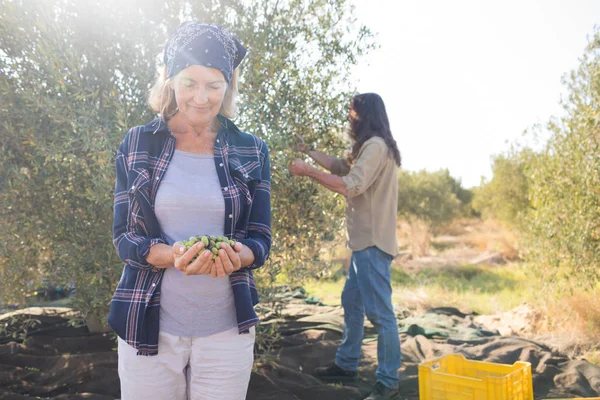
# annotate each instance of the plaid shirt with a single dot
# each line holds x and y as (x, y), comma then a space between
(242, 162)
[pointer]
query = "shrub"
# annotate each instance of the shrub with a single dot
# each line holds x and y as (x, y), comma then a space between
(428, 200)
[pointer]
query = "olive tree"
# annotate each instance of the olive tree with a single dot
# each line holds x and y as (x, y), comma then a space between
(562, 231)
(74, 77)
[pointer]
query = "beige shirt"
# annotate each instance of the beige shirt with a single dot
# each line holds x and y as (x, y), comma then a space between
(372, 185)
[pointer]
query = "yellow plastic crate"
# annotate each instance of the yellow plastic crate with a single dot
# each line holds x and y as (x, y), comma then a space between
(453, 377)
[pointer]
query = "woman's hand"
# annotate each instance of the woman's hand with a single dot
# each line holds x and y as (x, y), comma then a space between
(299, 167)
(183, 259)
(228, 260)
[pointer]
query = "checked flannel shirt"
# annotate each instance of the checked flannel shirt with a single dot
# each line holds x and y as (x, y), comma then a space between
(242, 162)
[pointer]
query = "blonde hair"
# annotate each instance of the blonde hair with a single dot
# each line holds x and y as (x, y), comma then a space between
(161, 97)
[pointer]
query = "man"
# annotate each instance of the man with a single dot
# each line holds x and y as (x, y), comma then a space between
(368, 179)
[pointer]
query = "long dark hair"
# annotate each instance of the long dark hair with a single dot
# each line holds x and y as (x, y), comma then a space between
(371, 120)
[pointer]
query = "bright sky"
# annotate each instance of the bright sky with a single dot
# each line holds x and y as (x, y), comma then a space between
(460, 78)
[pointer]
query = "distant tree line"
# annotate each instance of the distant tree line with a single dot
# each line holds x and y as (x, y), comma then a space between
(551, 196)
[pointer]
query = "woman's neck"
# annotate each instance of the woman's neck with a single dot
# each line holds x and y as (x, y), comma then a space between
(193, 139)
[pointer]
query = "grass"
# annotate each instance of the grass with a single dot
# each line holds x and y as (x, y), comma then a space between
(569, 321)
(471, 288)
(329, 291)
(592, 355)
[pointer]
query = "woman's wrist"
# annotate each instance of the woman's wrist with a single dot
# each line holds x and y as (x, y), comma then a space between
(160, 255)
(246, 256)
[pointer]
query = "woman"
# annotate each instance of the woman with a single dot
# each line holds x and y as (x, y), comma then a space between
(190, 172)
(369, 180)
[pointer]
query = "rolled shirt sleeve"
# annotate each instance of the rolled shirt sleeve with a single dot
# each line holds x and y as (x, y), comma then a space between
(340, 167)
(259, 224)
(132, 247)
(366, 168)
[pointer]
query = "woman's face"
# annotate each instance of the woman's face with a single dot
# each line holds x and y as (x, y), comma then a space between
(199, 93)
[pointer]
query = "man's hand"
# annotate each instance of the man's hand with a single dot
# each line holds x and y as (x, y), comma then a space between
(331, 182)
(299, 167)
(300, 145)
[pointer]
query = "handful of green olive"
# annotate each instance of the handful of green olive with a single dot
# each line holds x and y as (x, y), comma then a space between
(211, 243)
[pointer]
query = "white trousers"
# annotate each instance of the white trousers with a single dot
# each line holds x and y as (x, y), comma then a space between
(215, 367)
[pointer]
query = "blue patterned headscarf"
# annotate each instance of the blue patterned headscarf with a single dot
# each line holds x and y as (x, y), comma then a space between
(195, 43)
